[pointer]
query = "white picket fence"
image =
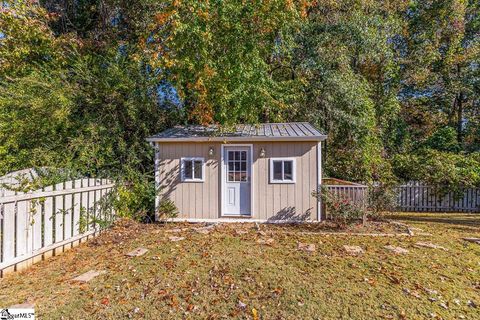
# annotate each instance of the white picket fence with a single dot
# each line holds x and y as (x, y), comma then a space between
(39, 224)
(416, 197)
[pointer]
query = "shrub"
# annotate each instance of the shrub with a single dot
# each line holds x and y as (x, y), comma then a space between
(444, 139)
(136, 199)
(381, 197)
(167, 210)
(341, 210)
(449, 171)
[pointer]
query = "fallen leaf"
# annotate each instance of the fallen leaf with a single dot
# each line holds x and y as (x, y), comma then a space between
(254, 314)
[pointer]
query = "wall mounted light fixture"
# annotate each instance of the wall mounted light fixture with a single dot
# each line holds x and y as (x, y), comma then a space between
(211, 151)
(262, 153)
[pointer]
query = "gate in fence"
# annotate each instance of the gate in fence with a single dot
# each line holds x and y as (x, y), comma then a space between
(42, 223)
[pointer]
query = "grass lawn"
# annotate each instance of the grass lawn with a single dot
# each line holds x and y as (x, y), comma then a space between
(231, 274)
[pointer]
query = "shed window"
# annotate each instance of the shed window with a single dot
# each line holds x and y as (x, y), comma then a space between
(192, 169)
(282, 170)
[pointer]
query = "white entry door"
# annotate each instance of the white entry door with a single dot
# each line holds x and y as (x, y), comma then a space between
(237, 191)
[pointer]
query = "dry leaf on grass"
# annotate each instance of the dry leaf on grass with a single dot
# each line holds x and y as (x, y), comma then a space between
(396, 250)
(267, 242)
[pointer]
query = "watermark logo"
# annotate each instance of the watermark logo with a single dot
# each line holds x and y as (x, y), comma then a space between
(17, 314)
(4, 314)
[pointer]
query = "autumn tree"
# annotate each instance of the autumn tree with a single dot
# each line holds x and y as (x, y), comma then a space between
(230, 62)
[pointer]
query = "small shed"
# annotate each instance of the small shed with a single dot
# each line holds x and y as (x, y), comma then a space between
(263, 172)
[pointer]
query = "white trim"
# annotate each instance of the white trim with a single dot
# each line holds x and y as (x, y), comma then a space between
(319, 181)
(283, 159)
(222, 180)
(182, 169)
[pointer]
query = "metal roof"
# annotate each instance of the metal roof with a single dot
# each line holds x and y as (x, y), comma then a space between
(243, 132)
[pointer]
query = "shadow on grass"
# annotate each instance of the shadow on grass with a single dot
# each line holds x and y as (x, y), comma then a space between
(468, 220)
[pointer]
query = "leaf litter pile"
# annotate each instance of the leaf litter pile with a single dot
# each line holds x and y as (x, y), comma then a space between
(249, 271)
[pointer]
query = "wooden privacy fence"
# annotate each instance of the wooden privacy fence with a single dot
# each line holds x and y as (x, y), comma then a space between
(415, 197)
(42, 223)
(357, 194)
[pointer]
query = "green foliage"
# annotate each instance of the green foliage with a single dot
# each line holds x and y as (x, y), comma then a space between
(382, 197)
(83, 221)
(35, 121)
(349, 72)
(135, 198)
(82, 108)
(27, 40)
(167, 210)
(229, 62)
(445, 169)
(116, 111)
(444, 139)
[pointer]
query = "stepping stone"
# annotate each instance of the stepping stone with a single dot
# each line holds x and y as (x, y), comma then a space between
(429, 245)
(308, 247)
(268, 241)
(205, 230)
(25, 305)
(474, 240)
(175, 239)
(89, 275)
(137, 252)
(396, 250)
(354, 250)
